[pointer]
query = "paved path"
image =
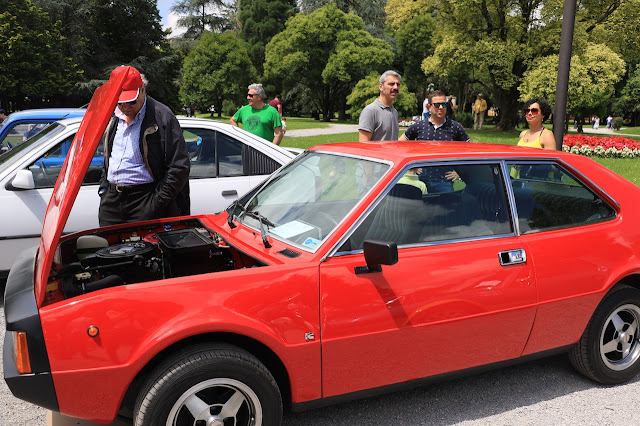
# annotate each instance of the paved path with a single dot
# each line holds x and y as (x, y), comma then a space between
(350, 128)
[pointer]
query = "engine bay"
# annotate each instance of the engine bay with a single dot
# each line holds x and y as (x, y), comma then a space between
(104, 259)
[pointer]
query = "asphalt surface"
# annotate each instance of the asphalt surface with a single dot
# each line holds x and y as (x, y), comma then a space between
(542, 392)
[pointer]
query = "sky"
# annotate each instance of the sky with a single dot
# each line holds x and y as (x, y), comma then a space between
(168, 19)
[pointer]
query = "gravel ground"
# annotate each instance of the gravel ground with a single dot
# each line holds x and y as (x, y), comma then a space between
(540, 393)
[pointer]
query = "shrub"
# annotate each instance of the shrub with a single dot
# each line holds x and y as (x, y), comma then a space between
(617, 123)
(464, 118)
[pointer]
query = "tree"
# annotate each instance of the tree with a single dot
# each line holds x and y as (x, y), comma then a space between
(328, 52)
(629, 101)
(591, 81)
(33, 70)
(199, 16)
(218, 69)
(260, 20)
(367, 90)
(415, 41)
(372, 12)
(100, 35)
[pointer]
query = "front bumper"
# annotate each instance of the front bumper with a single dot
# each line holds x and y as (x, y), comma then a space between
(21, 313)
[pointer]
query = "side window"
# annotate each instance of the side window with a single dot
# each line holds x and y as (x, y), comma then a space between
(46, 169)
(229, 156)
(475, 205)
(548, 197)
(201, 145)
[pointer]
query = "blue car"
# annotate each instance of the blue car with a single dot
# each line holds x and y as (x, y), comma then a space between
(22, 125)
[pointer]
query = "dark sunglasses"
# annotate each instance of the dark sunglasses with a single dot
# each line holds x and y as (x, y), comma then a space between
(533, 111)
(251, 95)
(130, 103)
(439, 104)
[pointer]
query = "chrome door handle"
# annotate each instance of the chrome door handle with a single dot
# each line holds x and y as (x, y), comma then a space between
(512, 257)
(230, 192)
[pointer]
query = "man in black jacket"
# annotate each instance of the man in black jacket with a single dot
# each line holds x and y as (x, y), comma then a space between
(146, 163)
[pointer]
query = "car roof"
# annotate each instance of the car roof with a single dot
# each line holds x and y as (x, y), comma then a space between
(400, 152)
(45, 114)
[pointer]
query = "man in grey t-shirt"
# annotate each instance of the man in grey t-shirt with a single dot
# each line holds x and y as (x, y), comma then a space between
(379, 119)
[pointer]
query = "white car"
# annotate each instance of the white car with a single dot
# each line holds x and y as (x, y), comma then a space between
(226, 162)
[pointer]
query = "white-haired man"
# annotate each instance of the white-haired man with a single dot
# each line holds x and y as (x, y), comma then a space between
(258, 117)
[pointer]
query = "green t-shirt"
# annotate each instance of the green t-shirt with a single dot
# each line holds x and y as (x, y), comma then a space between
(260, 122)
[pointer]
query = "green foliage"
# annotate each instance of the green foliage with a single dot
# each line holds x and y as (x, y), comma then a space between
(327, 52)
(618, 122)
(367, 90)
(198, 16)
(415, 41)
(229, 107)
(631, 91)
(33, 65)
(218, 68)
(593, 75)
(260, 21)
(464, 118)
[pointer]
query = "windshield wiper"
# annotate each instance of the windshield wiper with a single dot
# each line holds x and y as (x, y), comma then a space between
(232, 212)
(263, 221)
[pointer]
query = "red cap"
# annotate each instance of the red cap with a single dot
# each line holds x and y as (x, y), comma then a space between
(131, 85)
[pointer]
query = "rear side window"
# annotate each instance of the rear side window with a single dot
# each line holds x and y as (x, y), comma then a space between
(548, 197)
(215, 154)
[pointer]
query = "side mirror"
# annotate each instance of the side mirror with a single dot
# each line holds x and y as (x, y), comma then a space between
(377, 253)
(21, 181)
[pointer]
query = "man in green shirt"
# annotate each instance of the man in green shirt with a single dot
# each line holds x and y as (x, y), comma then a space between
(259, 118)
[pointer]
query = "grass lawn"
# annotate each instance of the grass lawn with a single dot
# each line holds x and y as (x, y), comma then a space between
(625, 167)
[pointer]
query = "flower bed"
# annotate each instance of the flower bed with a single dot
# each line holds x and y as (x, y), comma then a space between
(611, 146)
(406, 122)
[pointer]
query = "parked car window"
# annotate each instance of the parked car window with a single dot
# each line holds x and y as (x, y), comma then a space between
(548, 197)
(215, 154)
(46, 169)
(477, 207)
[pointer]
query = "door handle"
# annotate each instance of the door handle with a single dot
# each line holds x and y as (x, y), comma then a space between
(230, 192)
(512, 257)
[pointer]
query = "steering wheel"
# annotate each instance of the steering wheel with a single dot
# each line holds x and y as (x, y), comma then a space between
(45, 175)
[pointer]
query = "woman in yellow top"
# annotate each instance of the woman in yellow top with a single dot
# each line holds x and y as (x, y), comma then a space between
(536, 111)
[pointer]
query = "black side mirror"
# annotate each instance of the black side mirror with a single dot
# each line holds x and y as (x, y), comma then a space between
(376, 254)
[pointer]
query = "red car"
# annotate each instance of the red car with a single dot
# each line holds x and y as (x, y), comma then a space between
(341, 276)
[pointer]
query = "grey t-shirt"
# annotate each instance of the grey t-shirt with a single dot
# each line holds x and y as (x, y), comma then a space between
(380, 120)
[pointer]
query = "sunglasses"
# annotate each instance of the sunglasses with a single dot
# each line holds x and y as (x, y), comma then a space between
(439, 104)
(130, 103)
(533, 111)
(251, 95)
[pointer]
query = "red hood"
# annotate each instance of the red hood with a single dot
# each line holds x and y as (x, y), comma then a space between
(73, 171)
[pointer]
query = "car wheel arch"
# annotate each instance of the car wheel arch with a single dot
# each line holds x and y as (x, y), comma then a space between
(256, 348)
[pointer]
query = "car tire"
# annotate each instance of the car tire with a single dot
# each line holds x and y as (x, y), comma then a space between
(211, 383)
(609, 349)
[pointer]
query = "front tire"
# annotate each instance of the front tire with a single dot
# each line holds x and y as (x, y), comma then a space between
(609, 349)
(210, 385)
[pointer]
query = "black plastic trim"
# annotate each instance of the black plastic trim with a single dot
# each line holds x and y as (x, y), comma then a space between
(21, 313)
(367, 393)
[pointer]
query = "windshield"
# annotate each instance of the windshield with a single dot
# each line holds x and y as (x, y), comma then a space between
(24, 148)
(308, 198)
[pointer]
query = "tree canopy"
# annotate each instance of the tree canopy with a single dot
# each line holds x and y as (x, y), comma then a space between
(33, 69)
(217, 69)
(327, 52)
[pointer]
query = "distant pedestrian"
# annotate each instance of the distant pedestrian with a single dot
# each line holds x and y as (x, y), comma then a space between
(479, 109)
(450, 110)
(425, 108)
(3, 116)
(596, 122)
(379, 119)
(258, 117)
(609, 122)
(277, 104)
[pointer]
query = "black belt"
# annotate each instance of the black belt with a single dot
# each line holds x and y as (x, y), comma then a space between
(131, 188)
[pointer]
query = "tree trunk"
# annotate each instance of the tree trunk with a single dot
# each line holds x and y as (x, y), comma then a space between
(507, 102)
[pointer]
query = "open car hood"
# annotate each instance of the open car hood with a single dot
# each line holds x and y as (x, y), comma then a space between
(84, 145)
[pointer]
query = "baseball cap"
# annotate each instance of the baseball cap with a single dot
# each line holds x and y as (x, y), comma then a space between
(2, 111)
(131, 85)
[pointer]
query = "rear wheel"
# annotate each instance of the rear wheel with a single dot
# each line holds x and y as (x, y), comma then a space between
(609, 349)
(210, 385)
